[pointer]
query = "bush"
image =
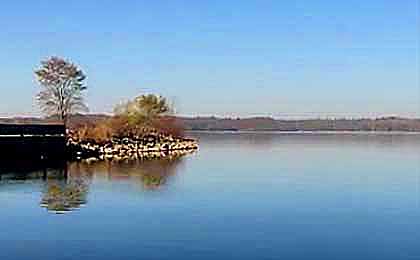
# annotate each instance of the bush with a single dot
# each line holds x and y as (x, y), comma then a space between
(118, 126)
(144, 115)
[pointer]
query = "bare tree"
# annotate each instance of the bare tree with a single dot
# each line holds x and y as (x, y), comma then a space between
(63, 84)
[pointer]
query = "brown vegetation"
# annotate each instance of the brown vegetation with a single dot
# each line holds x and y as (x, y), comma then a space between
(119, 126)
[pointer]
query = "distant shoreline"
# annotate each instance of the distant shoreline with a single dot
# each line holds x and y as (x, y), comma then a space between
(267, 124)
(320, 132)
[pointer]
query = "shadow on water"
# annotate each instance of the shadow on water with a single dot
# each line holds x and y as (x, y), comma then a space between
(32, 169)
(65, 186)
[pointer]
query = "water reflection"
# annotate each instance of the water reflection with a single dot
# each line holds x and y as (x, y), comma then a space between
(331, 197)
(151, 174)
(268, 140)
(64, 187)
(61, 195)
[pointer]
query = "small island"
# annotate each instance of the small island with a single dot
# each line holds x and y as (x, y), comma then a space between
(141, 128)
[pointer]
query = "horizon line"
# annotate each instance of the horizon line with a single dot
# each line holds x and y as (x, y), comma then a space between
(297, 116)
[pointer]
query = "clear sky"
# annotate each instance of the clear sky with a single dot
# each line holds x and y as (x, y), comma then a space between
(221, 57)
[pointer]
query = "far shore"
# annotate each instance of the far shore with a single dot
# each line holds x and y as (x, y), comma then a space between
(319, 132)
(380, 125)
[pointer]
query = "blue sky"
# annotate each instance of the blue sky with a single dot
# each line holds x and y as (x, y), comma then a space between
(228, 58)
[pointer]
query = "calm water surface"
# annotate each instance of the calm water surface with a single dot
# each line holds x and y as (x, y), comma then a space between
(242, 196)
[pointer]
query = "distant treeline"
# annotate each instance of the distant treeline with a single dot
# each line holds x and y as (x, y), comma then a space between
(270, 124)
(262, 123)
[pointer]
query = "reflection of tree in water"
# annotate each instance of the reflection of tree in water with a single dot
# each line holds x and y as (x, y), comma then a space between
(153, 174)
(62, 198)
(66, 185)
(66, 194)
(152, 181)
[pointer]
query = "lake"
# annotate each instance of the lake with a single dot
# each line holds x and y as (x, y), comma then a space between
(241, 196)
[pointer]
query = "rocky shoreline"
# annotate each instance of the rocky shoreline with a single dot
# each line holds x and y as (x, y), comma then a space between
(151, 146)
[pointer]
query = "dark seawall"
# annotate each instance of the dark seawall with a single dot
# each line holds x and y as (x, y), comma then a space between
(32, 142)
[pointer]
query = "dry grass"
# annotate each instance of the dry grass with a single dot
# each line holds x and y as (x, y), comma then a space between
(102, 131)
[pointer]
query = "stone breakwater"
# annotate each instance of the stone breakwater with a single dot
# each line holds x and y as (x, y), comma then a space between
(146, 147)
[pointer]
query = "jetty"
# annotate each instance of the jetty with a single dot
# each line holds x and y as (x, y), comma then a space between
(32, 141)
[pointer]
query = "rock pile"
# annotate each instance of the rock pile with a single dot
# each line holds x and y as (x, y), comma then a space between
(148, 146)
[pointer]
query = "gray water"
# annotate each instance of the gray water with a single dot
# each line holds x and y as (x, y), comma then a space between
(241, 196)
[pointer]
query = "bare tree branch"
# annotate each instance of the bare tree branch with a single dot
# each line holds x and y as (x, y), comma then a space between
(63, 84)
